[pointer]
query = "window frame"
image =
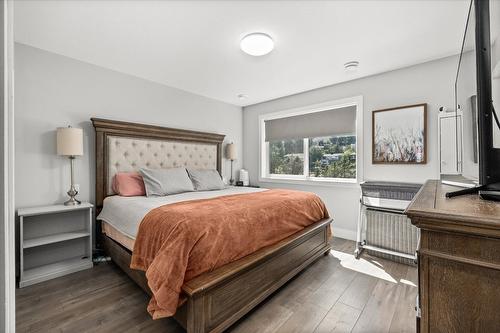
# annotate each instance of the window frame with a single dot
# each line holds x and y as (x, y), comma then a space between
(265, 176)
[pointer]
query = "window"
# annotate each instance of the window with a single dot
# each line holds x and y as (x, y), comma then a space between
(316, 144)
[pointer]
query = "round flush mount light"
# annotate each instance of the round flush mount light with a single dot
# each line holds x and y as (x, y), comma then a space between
(257, 44)
(351, 66)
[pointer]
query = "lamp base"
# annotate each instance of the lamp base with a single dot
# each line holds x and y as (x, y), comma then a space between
(231, 181)
(72, 200)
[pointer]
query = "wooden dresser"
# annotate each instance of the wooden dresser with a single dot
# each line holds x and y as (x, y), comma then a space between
(459, 261)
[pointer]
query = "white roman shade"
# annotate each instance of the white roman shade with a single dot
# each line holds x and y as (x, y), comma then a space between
(312, 125)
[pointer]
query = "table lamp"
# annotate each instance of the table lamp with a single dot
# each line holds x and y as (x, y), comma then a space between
(70, 143)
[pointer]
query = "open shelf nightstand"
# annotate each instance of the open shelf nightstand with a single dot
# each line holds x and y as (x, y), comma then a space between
(54, 241)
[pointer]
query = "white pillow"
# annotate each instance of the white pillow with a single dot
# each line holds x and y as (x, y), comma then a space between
(161, 182)
(206, 179)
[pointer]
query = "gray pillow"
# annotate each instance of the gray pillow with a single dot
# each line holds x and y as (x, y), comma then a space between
(206, 180)
(161, 182)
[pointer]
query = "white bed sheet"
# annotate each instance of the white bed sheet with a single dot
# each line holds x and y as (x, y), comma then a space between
(126, 213)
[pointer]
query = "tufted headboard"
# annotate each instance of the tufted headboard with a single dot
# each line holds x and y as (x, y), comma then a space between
(123, 146)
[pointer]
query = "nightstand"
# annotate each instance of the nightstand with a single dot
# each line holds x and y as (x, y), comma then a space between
(54, 241)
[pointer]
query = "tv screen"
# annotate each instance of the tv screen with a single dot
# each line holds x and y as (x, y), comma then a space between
(477, 93)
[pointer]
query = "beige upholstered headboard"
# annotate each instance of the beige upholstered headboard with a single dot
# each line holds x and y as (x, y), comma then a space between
(122, 146)
(131, 154)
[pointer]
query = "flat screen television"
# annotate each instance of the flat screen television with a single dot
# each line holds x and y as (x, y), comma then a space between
(477, 88)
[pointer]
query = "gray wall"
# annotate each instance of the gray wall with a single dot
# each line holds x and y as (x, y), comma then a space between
(54, 91)
(430, 83)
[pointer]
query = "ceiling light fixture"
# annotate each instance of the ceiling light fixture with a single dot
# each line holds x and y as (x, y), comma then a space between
(242, 96)
(257, 44)
(351, 66)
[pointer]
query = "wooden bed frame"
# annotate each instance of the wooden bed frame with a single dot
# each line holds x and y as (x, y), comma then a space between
(216, 299)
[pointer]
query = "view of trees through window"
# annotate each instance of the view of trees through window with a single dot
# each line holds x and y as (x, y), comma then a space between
(286, 157)
(332, 157)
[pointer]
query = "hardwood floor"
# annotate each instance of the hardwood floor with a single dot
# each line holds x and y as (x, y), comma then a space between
(337, 293)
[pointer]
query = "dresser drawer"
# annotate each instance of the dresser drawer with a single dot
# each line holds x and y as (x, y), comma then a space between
(477, 250)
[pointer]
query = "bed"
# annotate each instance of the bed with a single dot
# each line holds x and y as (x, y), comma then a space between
(215, 299)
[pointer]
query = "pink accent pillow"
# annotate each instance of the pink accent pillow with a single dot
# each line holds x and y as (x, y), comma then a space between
(128, 184)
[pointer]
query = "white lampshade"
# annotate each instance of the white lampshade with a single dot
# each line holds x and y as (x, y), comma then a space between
(69, 141)
(231, 151)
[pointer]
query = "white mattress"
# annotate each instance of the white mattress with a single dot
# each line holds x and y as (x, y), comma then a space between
(126, 213)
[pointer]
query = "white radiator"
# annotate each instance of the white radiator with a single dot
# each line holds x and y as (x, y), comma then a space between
(383, 229)
(391, 231)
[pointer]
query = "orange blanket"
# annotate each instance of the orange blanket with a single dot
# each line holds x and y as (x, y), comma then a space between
(177, 242)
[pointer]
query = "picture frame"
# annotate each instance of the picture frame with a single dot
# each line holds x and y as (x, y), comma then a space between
(399, 135)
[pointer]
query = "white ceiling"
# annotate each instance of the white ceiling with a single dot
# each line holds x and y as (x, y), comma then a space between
(194, 45)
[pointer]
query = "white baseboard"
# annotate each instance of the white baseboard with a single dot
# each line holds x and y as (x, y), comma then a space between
(344, 233)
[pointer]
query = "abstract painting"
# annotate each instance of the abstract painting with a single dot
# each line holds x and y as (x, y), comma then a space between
(399, 135)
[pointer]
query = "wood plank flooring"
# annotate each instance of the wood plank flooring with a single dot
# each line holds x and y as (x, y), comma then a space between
(335, 294)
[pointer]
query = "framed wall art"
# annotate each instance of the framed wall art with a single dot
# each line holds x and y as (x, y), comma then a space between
(399, 135)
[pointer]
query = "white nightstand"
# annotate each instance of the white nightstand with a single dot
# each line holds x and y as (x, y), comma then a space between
(54, 241)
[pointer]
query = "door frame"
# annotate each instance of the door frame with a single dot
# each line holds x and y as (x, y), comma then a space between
(8, 206)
